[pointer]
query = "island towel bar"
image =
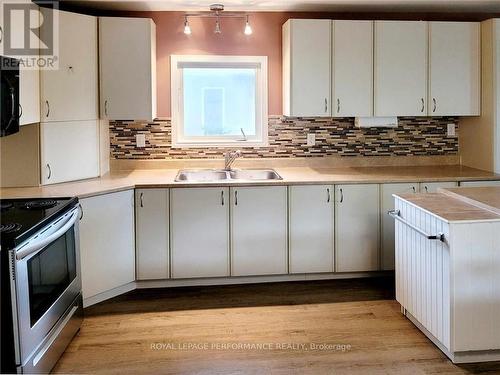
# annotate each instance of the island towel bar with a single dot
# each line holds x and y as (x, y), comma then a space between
(396, 214)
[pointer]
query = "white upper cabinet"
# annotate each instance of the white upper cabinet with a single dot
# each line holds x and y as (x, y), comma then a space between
(400, 68)
(127, 51)
(259, 231)
(152, 234)
(69, 151)
(311, 228)
(454, 70)
(29, 96)
(307, 49)
(200, 232)
(70, 92)
(352, 68)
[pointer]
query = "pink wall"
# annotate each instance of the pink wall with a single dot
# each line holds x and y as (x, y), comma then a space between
(265, 41)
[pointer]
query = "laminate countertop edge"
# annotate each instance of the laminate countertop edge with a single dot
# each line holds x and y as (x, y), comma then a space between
(154, 178)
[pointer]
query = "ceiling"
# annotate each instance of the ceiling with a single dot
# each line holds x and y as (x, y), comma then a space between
(454, 6)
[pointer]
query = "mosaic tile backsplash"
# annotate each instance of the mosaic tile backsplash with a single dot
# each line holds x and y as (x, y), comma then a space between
(415, 136)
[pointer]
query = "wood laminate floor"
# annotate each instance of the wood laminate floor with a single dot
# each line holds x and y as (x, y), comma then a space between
(317, 327)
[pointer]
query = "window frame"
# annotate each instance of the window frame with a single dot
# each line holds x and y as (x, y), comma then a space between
(179, 62)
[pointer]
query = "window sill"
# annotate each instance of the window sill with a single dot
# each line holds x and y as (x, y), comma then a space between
(230, 144)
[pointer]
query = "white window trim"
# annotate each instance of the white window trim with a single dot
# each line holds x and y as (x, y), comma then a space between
(177, 62)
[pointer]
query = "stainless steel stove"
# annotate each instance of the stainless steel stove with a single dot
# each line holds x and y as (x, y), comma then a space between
(41, 303)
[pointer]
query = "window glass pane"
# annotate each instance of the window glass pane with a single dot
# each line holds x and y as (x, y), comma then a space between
(219, 101)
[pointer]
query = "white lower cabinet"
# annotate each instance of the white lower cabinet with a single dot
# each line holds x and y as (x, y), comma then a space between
(311, 228)
(259, 230)
(200, 232)
(357, 227)
(432, 187)
(152, 234)
(107, 242)
(69, 151)
(387, 223)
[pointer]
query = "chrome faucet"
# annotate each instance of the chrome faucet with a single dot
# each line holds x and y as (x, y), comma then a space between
(229, 158)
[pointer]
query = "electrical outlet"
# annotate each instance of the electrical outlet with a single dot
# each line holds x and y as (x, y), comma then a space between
(140, 140)
(311, 139)
(451, 130)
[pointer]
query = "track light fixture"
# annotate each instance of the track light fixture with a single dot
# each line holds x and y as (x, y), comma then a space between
(187, 28)
(216, 11)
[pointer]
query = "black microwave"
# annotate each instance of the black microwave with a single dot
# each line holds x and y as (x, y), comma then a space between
(9, 96)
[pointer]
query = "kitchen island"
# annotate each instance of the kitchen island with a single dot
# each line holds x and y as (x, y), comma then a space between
(448, 269)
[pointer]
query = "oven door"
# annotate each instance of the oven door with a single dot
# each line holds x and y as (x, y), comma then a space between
(47, 280)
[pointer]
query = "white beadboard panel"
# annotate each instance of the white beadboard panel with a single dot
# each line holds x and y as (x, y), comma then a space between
(476, 285)
(422, 271)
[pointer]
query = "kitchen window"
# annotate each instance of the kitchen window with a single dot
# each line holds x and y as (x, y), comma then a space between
(219, 101)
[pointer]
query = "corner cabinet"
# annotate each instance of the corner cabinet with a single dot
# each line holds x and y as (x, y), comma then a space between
(259, 231)
(311, 228)
(127, 51)
(400, 66)
(152, 233)
(357, 227)
(454, 68)
(200, 232)
(107, 249)
(307, 67)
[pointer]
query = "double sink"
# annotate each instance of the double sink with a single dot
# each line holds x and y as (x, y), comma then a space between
(212, 175)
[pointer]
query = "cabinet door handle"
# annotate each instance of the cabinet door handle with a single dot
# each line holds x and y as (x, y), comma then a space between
(414, 189)
(236, 197)
(141, 199)
(49, 171)
(338, 105)
(1, 34)
(81, 211)
(426, 189)
(48, 108)
(326, 105)
(328, 195)
(434, 104)
(341, 195)
(222, 198)
(20, 110)
(423, 105)
(105, 108)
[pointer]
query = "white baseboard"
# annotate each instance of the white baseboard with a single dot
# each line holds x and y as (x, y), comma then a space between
(108, 294)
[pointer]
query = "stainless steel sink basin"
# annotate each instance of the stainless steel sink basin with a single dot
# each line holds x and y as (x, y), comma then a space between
(254, 174)
(213, 175)
(202, 175)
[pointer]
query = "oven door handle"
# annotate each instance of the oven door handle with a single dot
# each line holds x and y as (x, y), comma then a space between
(59, 231)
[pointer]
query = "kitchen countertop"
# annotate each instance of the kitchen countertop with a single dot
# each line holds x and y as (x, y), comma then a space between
(460, 204)
(151, 178)
(487, 198)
